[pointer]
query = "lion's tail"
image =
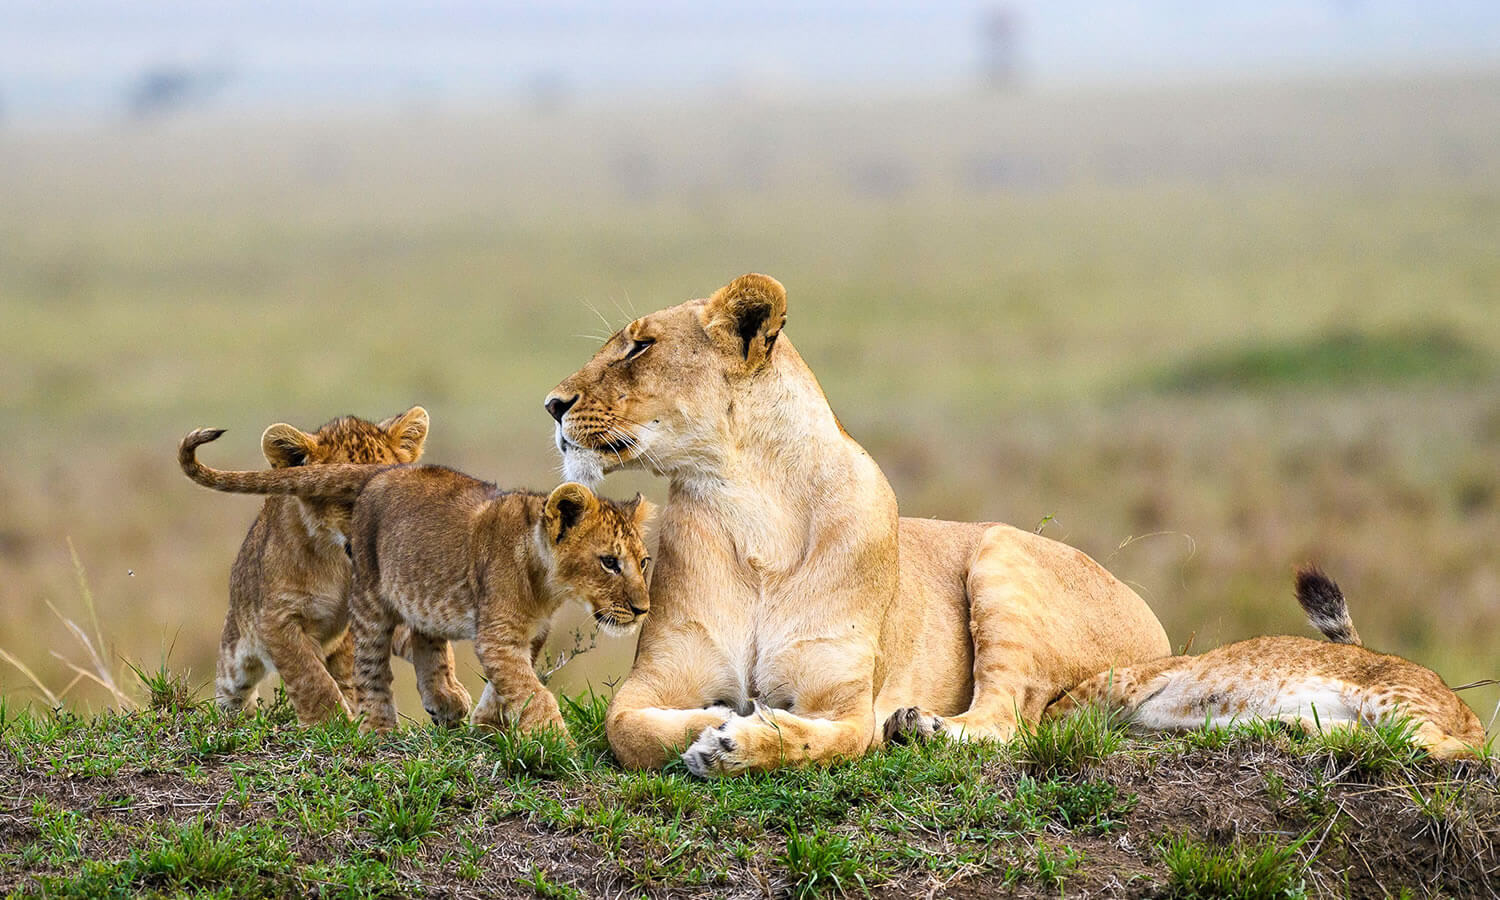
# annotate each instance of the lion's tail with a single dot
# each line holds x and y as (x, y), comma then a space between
(1324, 604)
(340, 482)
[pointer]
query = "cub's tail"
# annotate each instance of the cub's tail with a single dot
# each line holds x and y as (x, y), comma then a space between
(339, 482)
(1324, 604)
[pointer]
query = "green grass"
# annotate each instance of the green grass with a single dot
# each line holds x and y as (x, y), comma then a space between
(120, 804)
(1070, 745)
(1262, 870)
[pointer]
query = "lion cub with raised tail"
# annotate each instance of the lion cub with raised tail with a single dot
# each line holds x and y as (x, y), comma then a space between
(1293, 679)
(457, 558)
(289, 586)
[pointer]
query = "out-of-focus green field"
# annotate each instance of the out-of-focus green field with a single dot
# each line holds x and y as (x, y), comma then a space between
(1202, 334)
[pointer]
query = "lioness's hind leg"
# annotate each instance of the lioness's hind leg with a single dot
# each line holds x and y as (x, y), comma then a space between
(444, 698)
(1043, 616)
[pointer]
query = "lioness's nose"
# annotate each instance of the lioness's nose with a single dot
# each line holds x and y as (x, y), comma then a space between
(559, 407)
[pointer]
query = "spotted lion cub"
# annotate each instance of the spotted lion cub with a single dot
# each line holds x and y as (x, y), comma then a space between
(456, 558)
(1293, 679)
(289, 586)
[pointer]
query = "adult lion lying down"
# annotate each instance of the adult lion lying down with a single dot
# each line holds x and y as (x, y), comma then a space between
(794, 616)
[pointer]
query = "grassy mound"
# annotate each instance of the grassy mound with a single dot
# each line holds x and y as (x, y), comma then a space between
(178, 800)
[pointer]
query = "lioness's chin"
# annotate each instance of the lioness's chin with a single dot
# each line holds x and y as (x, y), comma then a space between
(583, 466)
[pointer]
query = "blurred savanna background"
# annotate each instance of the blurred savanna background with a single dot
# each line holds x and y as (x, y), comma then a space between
(1207, 291)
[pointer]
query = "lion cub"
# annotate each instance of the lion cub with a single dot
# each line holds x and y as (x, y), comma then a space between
(1293, 679)
(457, 558)
(289, 586)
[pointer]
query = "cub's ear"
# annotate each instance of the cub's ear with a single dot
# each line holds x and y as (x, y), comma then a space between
(285, 446)
(747, 314)
(409, 432)
(640, 512)
(567, 506)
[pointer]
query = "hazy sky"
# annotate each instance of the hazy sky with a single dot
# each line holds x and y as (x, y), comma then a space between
(82, 57)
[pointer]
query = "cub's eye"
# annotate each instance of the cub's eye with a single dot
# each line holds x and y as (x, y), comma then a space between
(646, 561)
(610, 563)
(639, 347)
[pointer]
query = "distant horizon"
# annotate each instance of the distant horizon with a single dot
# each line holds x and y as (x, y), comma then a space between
(94, 60)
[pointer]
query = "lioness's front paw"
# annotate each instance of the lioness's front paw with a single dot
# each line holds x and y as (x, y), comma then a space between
(912, 724)
(715, 752)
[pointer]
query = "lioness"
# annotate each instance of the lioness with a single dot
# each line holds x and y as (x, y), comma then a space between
(289, 586)
(1312, 684)
(454, 558)
(794, 614)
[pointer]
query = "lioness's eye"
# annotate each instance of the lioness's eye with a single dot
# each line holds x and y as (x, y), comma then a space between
(639, 347)
(610, 563)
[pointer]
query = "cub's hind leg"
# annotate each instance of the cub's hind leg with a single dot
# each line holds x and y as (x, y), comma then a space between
(239, 669)
(372, 624)
(300, 659)
(444, 698)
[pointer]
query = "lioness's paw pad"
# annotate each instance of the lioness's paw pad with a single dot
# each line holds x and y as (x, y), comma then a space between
(910, 723)
(713, 753)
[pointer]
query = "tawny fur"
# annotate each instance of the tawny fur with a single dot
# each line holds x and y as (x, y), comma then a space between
(289, 586)
(449, 557)
(1309, 683)
(794, 613)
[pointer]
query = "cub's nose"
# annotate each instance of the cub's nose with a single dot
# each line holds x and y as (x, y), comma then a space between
(558, 407)
(639, 610)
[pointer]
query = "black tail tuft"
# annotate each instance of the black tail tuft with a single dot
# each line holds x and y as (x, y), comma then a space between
(186, 455)
(1323, 602)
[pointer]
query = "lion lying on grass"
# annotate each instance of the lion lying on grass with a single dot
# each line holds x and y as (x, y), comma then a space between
(1310, 684)
(795, 616)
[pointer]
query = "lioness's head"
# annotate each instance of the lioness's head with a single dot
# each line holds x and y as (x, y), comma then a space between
(347, 439)
(658, 390)
(598, 555)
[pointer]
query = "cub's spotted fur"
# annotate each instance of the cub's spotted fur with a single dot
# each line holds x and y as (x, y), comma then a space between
(457, 558)
(289, 586)
(1294, 679)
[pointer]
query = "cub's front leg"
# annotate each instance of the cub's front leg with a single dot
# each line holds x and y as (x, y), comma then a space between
(514, 692)
(299, 658)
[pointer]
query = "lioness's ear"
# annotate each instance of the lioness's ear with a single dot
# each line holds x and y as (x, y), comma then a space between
(409, 431)
(640, 511)
(567, 506)
(748, 314)
(285, 446)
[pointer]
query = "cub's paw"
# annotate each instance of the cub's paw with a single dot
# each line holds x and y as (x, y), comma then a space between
(912, 724)
(715, 752)
(447, 711)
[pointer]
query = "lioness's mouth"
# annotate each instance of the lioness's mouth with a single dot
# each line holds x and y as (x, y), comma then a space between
(616, 447)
